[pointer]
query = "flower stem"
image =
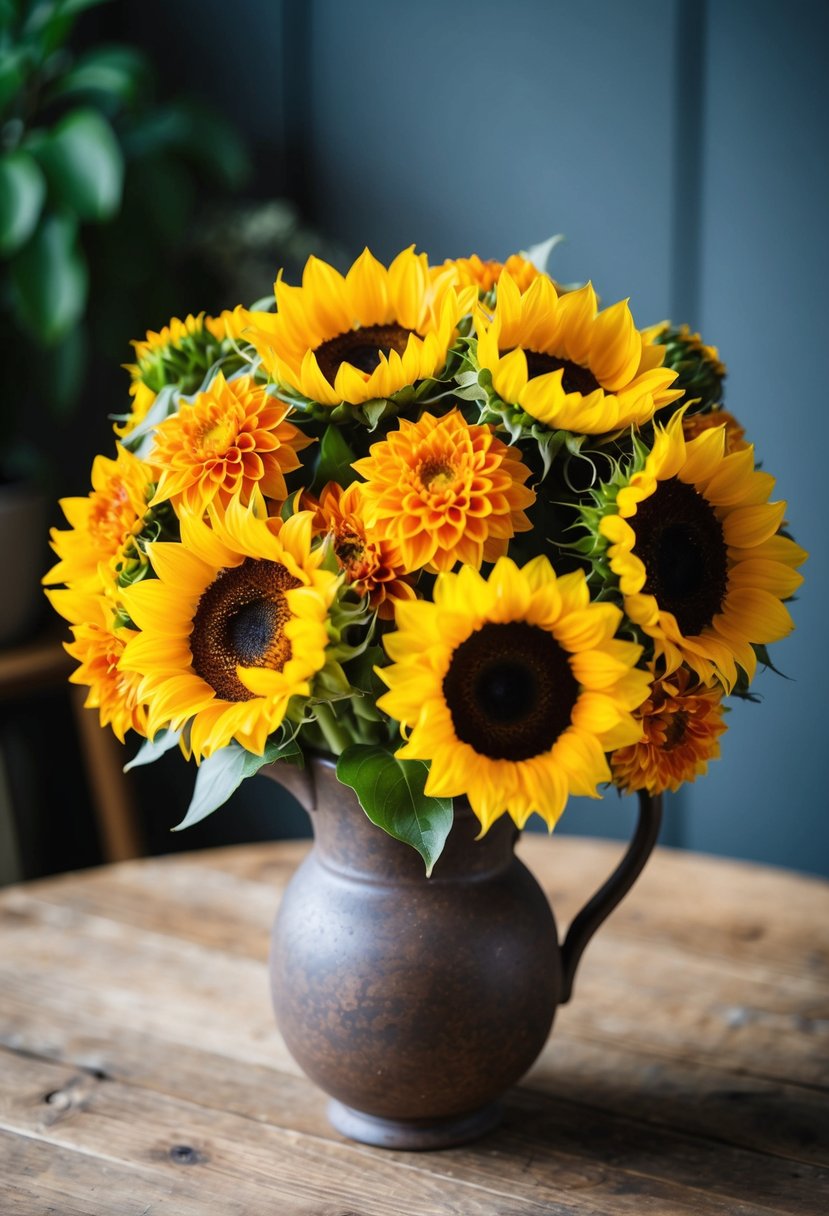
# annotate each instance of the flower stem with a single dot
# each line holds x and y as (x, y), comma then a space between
(336, 738)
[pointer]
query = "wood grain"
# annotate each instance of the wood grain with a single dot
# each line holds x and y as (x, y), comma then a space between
(141, 1071)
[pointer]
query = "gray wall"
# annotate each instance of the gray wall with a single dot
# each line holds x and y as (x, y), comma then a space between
(681, 148)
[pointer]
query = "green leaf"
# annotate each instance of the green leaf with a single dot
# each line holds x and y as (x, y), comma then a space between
(153, 749)
(84, 165)
(14, 68)
(391, 792)
(112, 74)
(335, 460)
(223, 772)
(22, 190)
(49, 280)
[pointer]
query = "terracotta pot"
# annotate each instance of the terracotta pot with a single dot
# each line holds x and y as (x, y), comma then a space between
(416, 1002)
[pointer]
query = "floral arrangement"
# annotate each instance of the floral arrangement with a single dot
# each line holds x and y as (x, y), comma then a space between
(458, 526)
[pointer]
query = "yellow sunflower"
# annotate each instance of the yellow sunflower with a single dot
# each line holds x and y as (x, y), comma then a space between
(567, 364)
(103, 523)
(513, 688)
(364, 335)
(445, 491)
(694, 543)
(372, 566)
(232, 438)
(682, 721)
(233, 627)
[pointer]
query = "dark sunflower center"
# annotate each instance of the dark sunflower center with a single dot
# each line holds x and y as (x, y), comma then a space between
(240, 621)
(680, 542)
(361, 348)
(576, 379)
(510, 691)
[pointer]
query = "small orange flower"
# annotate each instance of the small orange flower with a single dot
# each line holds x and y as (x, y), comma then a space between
(486, 274)
(682, 721)
(233, 438)
(102, 523)
(444, 491)
(113, 692)
(694, 424)
(372, 566)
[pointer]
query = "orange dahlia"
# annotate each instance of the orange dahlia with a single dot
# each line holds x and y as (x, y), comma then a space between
(233, 438)
(682, 721)
(444, 491)
(485, 274)
(112, 691)
(372, 566)
(694, 424)
(103, 523)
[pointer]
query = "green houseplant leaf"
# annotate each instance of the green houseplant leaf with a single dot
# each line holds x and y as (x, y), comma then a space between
(84, 164)
(22, 191)
(49, 280)
(391, 792)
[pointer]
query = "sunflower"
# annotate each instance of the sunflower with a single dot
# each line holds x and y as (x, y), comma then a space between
(513, 687)
(568, 365)
(485, 275)
(700, 371)
(232, 438)
(445, 491)
(372, 566)
(369, 334)
(103, 524)
(695, 546)
(181, 353)
(233, 627)
(98, 646)
(682, 721)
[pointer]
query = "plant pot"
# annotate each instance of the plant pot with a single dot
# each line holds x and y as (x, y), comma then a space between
(415, 1002)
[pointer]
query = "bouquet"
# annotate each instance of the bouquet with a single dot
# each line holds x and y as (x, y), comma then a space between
(460, 527)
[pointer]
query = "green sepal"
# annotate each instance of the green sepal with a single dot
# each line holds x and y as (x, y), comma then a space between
(141, 438)
(222, 773)
(335, 461)
(391, 792)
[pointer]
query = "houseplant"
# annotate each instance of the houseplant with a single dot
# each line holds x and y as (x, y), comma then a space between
(457, 529)
(93, 169)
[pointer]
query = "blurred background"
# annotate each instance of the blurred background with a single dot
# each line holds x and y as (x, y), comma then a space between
(680, 146)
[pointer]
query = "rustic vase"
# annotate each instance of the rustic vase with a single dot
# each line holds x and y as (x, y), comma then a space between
(415, 1002)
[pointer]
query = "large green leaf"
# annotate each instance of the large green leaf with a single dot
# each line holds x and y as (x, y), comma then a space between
(153, 749)
(15, 65)
(391, 792)
(84, 165)
(49, 280)
(223, 772)
(22, 190)
(113, 74)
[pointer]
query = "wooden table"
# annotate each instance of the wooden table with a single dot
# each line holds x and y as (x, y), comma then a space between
(141, 1072)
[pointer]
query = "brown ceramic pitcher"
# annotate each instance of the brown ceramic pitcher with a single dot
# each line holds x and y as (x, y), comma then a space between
(416, 1002)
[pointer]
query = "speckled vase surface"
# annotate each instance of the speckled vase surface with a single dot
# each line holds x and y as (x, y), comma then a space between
(414, 1002)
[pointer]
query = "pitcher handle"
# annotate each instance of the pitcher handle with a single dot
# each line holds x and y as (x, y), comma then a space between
(597, 909)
